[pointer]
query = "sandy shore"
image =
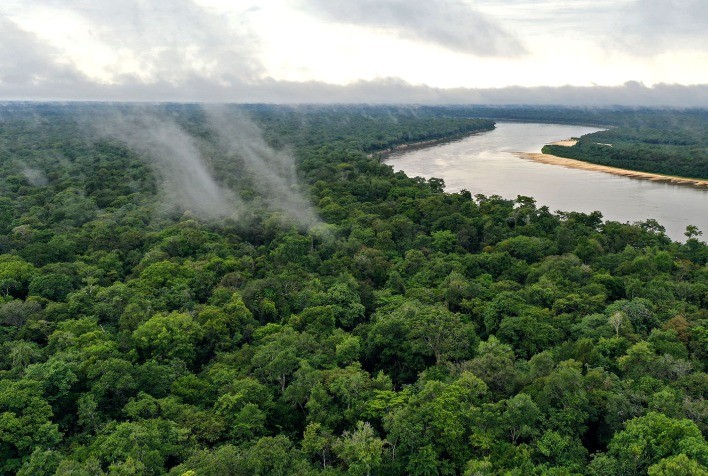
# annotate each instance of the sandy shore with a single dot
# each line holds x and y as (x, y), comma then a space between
(579, 164)
(565, 143)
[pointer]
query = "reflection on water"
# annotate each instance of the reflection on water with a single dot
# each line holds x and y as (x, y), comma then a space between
(486, 163)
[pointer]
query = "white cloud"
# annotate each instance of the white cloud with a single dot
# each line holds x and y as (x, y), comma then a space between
(142, 41)
(307, 51)
(451, 24)
(25, 60)
(652, 27)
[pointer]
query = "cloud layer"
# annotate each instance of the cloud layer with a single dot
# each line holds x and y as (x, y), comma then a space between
(648, 27)
(25, 61)
(382, 91)
(190, 50)
(128, 41)
(449, 24)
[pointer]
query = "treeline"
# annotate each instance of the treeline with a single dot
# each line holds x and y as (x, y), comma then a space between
(365, 128)
(619, 116)
(666, 148)
(664, 141)
(412, 332)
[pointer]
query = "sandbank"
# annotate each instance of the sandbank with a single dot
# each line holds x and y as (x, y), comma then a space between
(565, 143)
(579, 164)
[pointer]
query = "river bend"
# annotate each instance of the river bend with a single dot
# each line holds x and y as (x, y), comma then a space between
(488, 163)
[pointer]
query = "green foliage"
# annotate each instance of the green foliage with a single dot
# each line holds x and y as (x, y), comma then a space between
(171, 336)
(667, 145)
(25, 423)
(676, 466)
(360, 449)
(15, 275)
(413, 331)
(649, 439)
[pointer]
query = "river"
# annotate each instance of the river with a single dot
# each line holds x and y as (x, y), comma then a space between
(488, 163)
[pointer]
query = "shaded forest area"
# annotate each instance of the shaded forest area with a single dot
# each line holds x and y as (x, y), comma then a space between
(409, 332)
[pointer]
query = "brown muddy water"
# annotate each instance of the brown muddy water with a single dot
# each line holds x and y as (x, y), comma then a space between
(489, 163)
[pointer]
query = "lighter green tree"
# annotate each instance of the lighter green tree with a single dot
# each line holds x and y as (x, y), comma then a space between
(361, 449)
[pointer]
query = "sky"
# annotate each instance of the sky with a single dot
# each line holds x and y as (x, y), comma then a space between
(599, 52)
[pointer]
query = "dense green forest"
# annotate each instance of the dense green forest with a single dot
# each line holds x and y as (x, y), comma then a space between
(406, 331)
(663, 142)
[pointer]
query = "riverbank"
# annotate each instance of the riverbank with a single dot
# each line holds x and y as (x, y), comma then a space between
(565, 143)
(410, 146)
(579, 164)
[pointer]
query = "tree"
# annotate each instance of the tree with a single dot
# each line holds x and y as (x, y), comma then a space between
(617, 320)
(221, 330)
(562, 451)
(137, 447)
(529, 332)
(521, 417)
(169, 336)
(72, 206)
(25, 423)
(346, 301)
(276, 357)
(692, 231)
(16, 313)
(528, 248)
(15, 275)
(244, 419)
(317, 441)
(649, 439)
(360, 449)
(57, 377)
(433, 429)
(41, 463)
(495, 365)
(679, 465)
(640, 360)
(444, 241)
(435, 331)
(681, 326)
(271, 456)
(389, 346)
(52, 286)
(22, 353)
(639, 312)
(565, 400)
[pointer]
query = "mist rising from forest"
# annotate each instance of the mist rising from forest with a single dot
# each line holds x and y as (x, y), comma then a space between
(35, 176)
(273, 172)
(188, 180)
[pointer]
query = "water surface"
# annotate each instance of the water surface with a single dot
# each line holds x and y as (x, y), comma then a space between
(488, 163)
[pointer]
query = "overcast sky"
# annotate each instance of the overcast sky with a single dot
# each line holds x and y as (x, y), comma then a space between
(652, 52)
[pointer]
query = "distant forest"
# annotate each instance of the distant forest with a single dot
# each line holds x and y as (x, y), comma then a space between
(663, 141)
(395, 330)
(673, 145)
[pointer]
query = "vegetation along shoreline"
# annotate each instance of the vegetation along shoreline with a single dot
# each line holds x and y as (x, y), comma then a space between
(635, 174)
